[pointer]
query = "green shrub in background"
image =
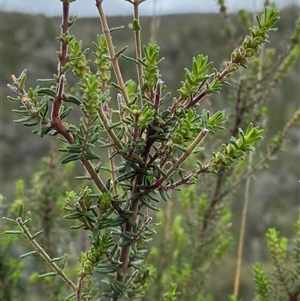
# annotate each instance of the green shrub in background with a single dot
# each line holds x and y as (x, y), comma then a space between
(135, 154)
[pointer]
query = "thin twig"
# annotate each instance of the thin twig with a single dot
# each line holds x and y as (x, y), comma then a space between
(111, 50)
(183, 157)
(93, 174)
(62, 62)
(44, 254)
(108, 129)
(138, 45)
(79, 288)
(242, 234)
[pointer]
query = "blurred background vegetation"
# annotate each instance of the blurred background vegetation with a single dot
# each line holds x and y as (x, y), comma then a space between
(28, 42)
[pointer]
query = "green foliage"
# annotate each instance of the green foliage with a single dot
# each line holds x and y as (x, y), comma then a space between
(285, 282)
(195, 77)
(101, 59)
(76, 57)
(188, 245)
(262, 284)
(237, 147)
(150, 66)
(171, 294)
(46, 195)
(146, 142)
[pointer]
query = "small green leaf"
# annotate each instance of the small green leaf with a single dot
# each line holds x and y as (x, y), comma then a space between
(62, 262)
(70, 158)
(23, 78)
(50, 274)
(65, 113)
(120, 52)
(148, 204)
(31, 122)
(131, 59)
(83, 178)
(28, 254)
(106, 270)
(73, 216)
(165, 196)
(13, 99)
(91, 156)
(13, 232)
(23, 119)
(73, 99)
(56, 259)
(135, 25)
(126, 176)
(46, 91)
(37, 234)
(116, 86)
(20, 211)
(9, 219)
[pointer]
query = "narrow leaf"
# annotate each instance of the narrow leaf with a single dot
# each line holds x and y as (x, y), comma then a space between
(50, 274)
(28, 254)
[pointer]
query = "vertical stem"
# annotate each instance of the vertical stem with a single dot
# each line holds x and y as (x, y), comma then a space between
(79, 288)
(125, 250)
(113, 171)
(112, 159)
(138, 44)
(245, 206)
(242, 234)
(64, 30)
(62, 59)
(56, 122)
(114, 59)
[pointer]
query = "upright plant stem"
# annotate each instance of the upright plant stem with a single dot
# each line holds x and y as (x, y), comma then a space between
(138, 44)
(242, 234)
(111, 50)
(56, 122)
(246, 201)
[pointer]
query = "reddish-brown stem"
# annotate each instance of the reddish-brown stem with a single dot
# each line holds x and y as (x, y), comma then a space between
(93, 174)
(136, 133)
(62, 62)
(239, 110)
(64, 30)
(196, 99)
(294, 296)
(79, 288)
(56, 122)
(125, 251)
(183, 181)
